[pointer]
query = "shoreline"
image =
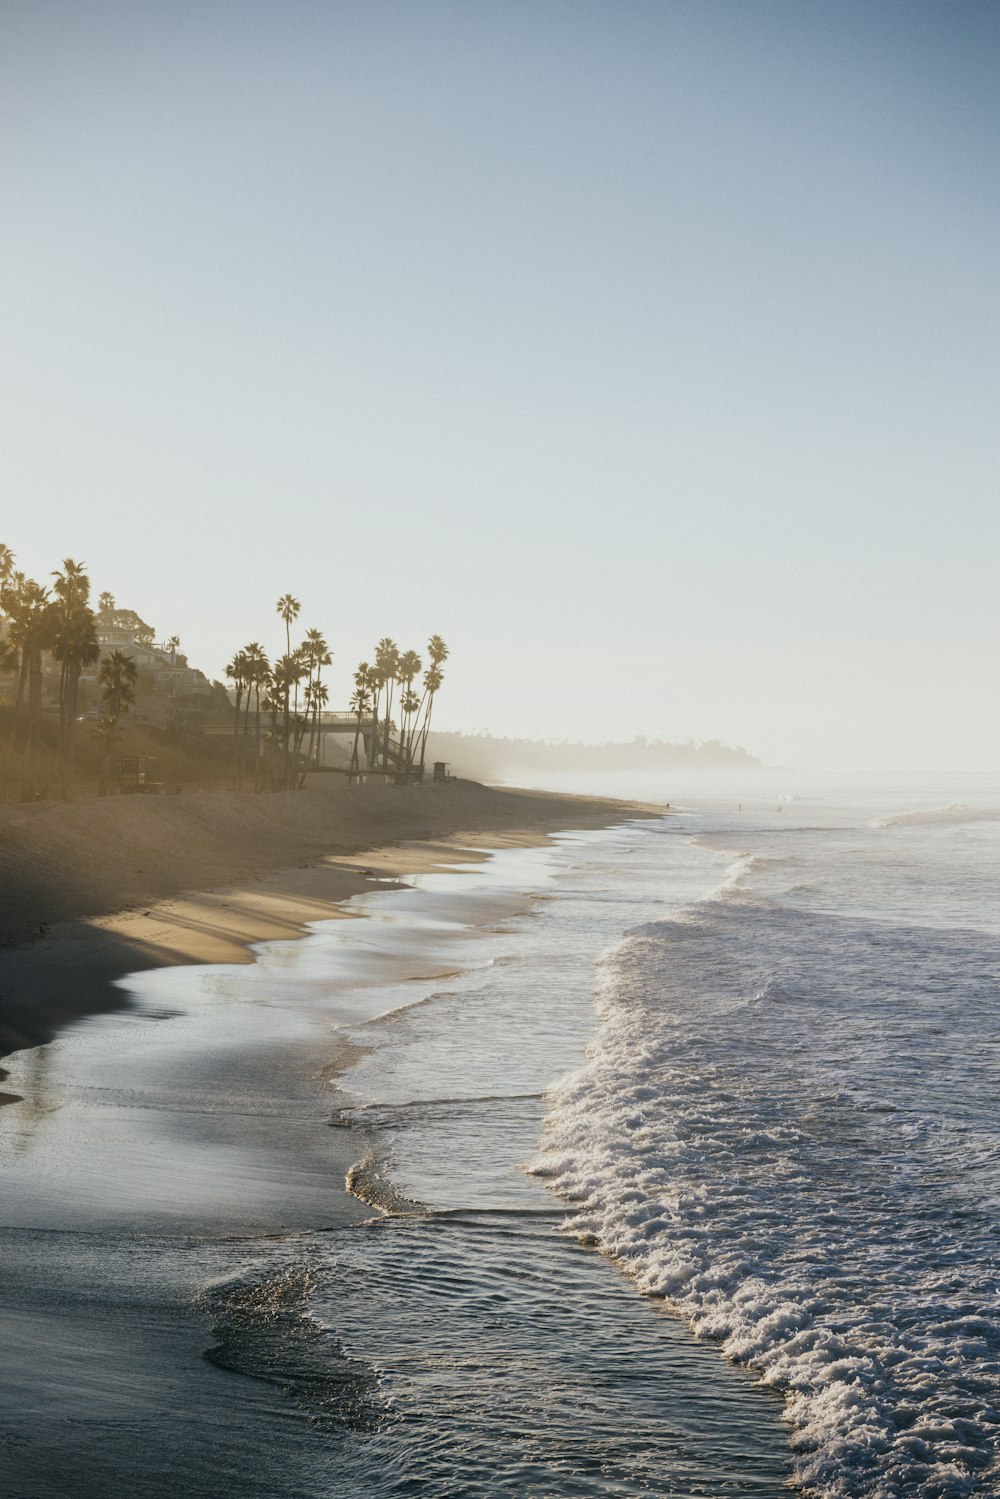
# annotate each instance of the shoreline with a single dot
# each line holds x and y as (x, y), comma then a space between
(234, 873)
(169, 1188)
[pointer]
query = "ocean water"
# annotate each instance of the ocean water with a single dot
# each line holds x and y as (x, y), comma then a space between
(511, 1359)
(675, 1147)
(691, 1177)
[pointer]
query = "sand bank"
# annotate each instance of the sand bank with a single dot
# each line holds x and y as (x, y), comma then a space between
(94, 890)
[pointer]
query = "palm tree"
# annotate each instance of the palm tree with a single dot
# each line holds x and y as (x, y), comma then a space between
(288, 672)
(72, 584)
(361, 701)
(31, 629)
(74, 645)
(258, 675)
(272, 707)
(288, 608)
(433, 678)
(106, 605)
(6, 574)
(117, 677)
(360, 704)
(317, 654)
(317, 697)
(386, 662)
(8, 652)
(408, 667)
(437, 650)
(173, 646)
(238, 672)
(410, 704)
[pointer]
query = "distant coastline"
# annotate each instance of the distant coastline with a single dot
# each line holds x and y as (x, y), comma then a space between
(490, 759)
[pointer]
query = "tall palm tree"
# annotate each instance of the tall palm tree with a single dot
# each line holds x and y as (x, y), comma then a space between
(410, 705)
(74, 645)
(6, 574)
(238, 672)
(288, 608)
(437, 650)
(117, 677)
(259, 675)
(317, 654)
(317, 697)
(31, 629)
(106, 605)
(15, 607)
(433, 678)
(72, 584)
(407, 668)
(288, 672)
(386, 662)
(360, 704)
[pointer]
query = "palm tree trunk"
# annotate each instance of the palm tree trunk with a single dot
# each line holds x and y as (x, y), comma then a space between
(244, 736)
(63, 708)
(388, 721)
(236, 727)
(286, 729)
(34, 700)
(373, 741)
(73, 694)
(256, 763)
(426, 731)
(19, 703)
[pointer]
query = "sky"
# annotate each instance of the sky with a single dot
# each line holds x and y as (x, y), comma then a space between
(648, 352)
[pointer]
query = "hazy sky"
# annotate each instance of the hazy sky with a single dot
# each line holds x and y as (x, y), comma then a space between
(646, 351)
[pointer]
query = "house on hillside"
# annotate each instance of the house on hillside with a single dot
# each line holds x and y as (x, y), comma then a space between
(167, 687)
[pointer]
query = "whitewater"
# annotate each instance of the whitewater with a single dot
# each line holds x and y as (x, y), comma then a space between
(786, 1126)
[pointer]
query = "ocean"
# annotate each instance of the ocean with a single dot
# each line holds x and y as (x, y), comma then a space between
(687, 1154)
(675, 1147)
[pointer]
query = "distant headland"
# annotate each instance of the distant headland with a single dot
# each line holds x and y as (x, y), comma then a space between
(488, 758)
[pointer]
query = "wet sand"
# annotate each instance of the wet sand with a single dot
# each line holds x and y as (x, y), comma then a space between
(147, 1154)
(92, 891)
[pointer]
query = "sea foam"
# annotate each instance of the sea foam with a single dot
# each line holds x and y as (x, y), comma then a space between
(779, 1132)
(948, 816)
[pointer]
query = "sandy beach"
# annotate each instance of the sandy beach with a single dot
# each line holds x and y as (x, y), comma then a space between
(143, 1164)
(98, 889)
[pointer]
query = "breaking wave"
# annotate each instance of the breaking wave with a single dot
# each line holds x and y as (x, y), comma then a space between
(945, 815)
(784, 1131)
